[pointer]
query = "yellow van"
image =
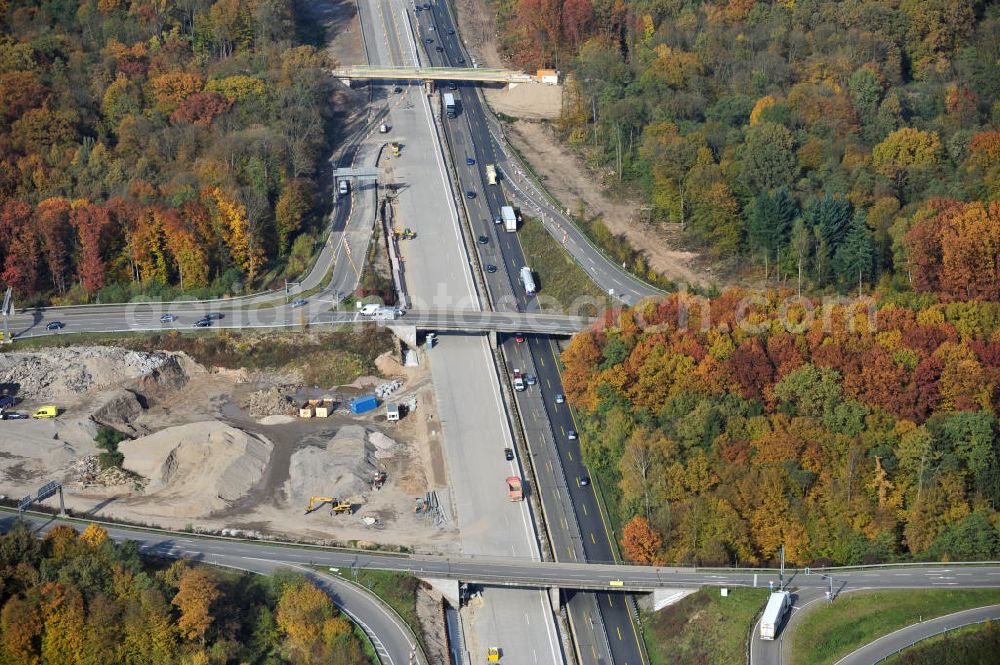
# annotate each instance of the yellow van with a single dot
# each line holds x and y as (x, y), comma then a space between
(46, 412)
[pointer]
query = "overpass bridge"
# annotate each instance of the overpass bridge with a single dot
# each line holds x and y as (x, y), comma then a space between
(478, 74)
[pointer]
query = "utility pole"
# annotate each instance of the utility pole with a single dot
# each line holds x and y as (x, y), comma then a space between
(5, 312)
(781, 572)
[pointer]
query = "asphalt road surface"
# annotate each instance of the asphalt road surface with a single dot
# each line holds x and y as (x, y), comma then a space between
(438, 275)
(905, 637)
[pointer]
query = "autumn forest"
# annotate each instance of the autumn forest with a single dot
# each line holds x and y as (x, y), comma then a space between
(78, 598)
(851, 143)
(156, 147)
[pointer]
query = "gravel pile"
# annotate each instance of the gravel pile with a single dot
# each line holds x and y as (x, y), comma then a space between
(268, 402)
(339, 467)
(74, 370)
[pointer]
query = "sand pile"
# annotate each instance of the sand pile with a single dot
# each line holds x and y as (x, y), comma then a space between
(338, 467)
(384, 446)
(197, 469)
(61, 373)
(43, 449)
(268, 402)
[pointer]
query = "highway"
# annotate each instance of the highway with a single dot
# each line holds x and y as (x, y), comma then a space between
(604, 625)
(473, 421)
(523, 572)
(145, 317)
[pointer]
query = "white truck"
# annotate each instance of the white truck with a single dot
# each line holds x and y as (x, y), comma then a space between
(528, 280)
(491, 174)
(519, 384)
(774, 614)
(387, 313)
(509, 218)
(450, 108)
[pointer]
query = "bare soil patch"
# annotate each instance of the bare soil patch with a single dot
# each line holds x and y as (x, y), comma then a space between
(569, 179)
(478, 28)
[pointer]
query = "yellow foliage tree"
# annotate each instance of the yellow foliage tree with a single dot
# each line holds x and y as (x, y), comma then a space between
(765, 102)
(93, 536)
(172, 88)
(906, 147)
(241, 237)
(195, 594)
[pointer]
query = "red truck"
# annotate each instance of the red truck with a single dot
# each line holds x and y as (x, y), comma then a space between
(514, 489)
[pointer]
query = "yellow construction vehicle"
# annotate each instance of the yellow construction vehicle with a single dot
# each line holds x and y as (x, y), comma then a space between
(395, 149)
(317, 501)
(493, 655)
(46, 412)
(339, 507)
(336, 505)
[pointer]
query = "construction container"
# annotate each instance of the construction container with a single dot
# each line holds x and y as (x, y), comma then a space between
(363, 404)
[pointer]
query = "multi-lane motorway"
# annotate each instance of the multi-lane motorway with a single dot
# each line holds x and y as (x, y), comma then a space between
(604, 625)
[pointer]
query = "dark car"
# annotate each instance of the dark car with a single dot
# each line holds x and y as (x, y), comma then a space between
(429, 40)
(490, 268)
(451, 31)
(202, 323)
(583, 481)
(168, 318)
(427, 5)
(483, 240)
(439, 49)
(469, 161)
(470, 194)
(55, 325)
(461, 60)
(299, 303)
(13, 415)
(398, 89)
(571, 434)
(453, 86)
(214, 316)
(5, 401)
(508, 454)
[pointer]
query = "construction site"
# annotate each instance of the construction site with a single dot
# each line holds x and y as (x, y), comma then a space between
(231, 450)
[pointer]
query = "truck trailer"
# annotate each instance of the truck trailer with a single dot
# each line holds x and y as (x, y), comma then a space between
(509, 218)
(774, 614)
(528, 280)
(449, 105)
(491, 174)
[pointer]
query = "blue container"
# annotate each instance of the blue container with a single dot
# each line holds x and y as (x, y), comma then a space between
(363, 404)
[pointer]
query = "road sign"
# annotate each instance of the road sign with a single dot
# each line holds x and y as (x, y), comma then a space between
(46, 490)
(25, 502)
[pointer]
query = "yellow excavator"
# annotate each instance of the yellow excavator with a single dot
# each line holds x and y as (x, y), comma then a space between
(336, 505)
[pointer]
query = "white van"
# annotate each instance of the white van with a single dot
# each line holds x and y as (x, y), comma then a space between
(370, 309)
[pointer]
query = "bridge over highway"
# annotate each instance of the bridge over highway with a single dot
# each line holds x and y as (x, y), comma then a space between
(500, 571)
(146, 317)
(369, 72)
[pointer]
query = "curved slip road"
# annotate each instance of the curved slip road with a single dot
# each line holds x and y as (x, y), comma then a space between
(389, 635)
(895, 642)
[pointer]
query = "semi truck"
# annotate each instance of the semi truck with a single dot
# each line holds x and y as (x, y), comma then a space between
(528, 280)
(449, 105)
(514, 490)
(491, 174)
(774, 614)
(509, 218)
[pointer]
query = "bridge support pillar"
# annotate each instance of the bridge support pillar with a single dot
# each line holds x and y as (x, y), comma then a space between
(661, 598)
(447, 588)
(494, 338)
(406, 333)
(555, 595)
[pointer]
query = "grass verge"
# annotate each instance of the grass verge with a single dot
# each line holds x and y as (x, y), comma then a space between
(398, 591)
(703, 628)
(834, 630)
(973, 645)
(559, 276)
